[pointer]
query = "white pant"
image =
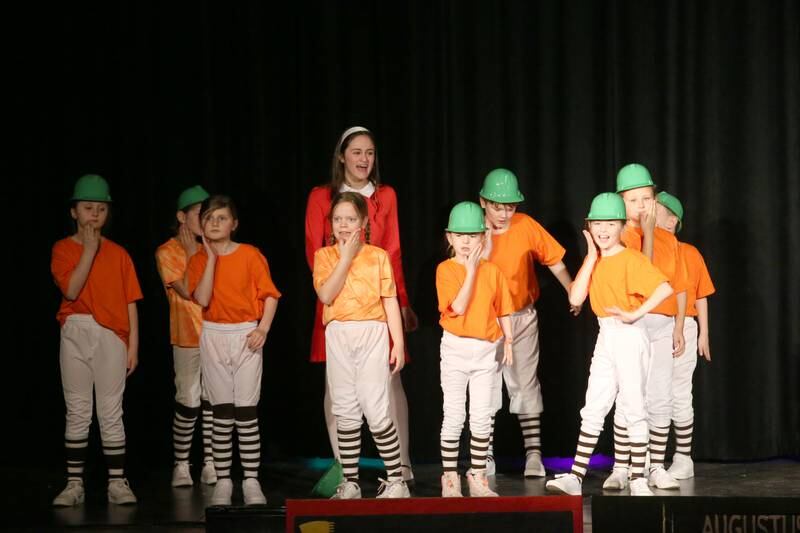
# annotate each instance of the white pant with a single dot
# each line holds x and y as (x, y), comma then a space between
(682, 372)
(231, 370)
(659, 375)
(521, 379)
(92, 357)
(357, 371)
(467, 362)
(189, 386)
(618, 370)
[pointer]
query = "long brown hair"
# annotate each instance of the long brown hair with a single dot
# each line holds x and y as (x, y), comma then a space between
(360, 205)
(337, 166)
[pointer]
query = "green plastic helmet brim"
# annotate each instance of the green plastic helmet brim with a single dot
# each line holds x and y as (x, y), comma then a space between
(633, 176)
(191, 196)
(607, 206)
(332, 478)
(91, 188)
(501, 186)
(466, 217)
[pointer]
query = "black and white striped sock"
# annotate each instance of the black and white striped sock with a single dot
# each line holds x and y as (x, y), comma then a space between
(531, 436)
(622, 447)
(490, 450)
(182, 430)
(586, 445)
(349, 451)
(449, 449)
(208, 429)
(76, 455)
(222, 439)
(683, 436)
(658, 446)
(638, 452)
(478, 447)
(389, 449)
(115, 458)
(249, 440)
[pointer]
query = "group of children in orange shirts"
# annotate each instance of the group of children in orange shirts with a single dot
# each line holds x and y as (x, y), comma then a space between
(645, 287)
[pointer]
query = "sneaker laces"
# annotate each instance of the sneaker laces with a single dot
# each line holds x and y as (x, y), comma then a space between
(387, 485)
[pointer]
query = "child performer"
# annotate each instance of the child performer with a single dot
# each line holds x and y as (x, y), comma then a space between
(622, 286)
(475, 304)
(355, 284)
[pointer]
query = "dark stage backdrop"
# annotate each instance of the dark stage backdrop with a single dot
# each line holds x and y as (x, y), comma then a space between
(249, 100)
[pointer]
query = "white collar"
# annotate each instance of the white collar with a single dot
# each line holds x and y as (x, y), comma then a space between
(367, 190)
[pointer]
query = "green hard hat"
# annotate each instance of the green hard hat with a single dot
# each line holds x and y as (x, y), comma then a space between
(673, 204)
(332, 478)
(91, 188)
(466, 217)
(633, 176)
(191, 196)
(607, 206)
(501, 186)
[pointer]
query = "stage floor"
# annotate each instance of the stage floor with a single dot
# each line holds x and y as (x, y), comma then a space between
(26, 493)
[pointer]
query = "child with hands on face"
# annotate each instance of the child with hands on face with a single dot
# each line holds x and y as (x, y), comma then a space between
(622, 286)
(475, 304)
(355, 283)
(99, 338)
(232, 283)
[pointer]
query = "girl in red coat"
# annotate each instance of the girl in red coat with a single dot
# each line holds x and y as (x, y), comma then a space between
(355, 168)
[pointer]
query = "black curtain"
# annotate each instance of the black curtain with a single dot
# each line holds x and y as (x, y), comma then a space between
(248, 99)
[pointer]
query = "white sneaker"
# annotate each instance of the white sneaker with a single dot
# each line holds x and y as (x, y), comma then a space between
(565, 484)
(181, 477)
(533, 465)
(408, 474)
(222, 492)
(209, 474)
(72, 494)
(478, 484)
(349, 490)
(618, 480)
(491, 467)
(639, 487)
(120, 492)
(451, 485)
(393, 489)
(251, 490)
(661, 479)
(682, 467)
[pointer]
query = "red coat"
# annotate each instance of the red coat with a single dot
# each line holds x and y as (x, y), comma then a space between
(384, 232)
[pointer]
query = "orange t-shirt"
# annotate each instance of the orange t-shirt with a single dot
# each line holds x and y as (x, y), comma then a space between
(624, 280)
(515, 252)
(369, 279)
(699, 281)
(185, 316)
(667, 257)
(491, 299)
(241, 284)
(109, 288)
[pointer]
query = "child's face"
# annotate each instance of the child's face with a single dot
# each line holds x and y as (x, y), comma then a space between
(665, 219)
(345, 221)
(92, 214)
(464, 243)
(358, 159)
(498, 215)
(219, 224)
(605, 233)
(638, 201)
(191, 218)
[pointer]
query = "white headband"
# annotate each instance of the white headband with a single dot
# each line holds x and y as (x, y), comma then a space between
(350, 131)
